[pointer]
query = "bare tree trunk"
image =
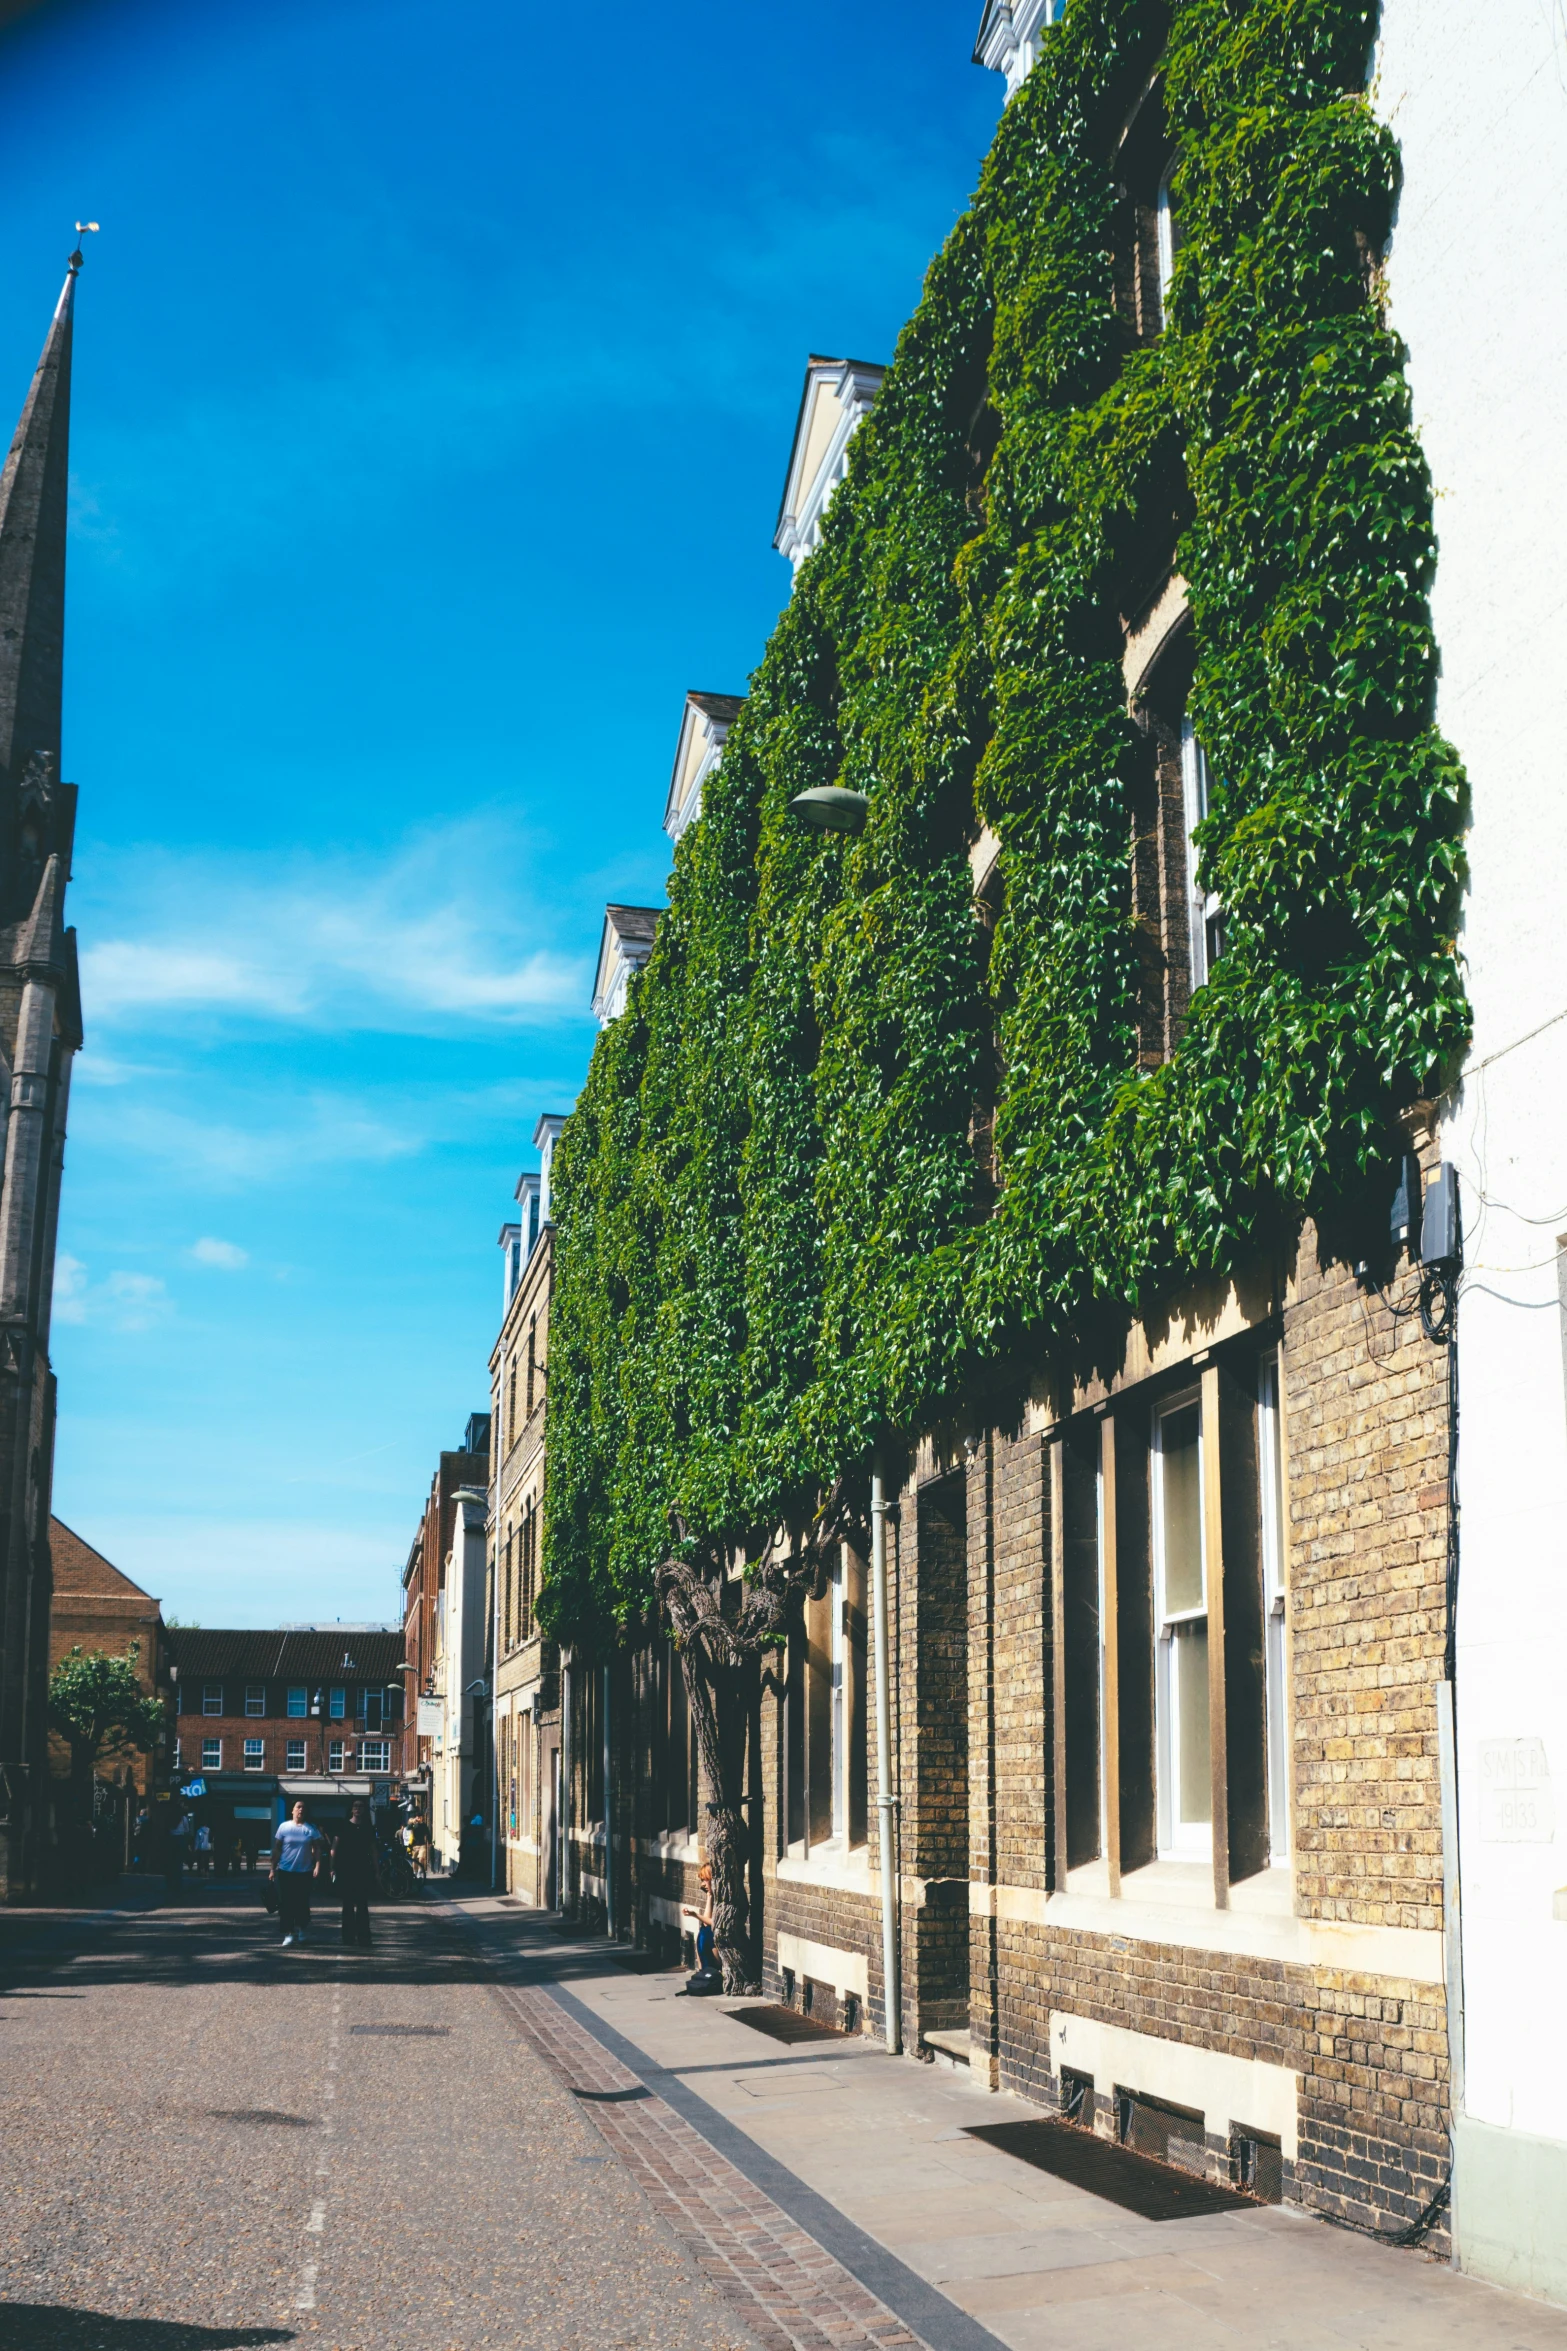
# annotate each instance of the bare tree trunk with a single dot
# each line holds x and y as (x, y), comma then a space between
(722, 1632)
(718, 1699)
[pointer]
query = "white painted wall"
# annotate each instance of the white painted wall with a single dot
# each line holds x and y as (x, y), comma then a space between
(461, 1663)
(1478, 101)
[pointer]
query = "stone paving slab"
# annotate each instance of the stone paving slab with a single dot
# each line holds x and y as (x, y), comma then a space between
(1033, 2260)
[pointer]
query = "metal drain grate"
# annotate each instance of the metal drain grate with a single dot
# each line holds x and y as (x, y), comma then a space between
(263, 2114)
(785, 2024)
(405, 2032)
(1138, 2183)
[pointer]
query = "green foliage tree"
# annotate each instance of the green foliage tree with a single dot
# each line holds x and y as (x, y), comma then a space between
(776, 1244)
(98, 1706)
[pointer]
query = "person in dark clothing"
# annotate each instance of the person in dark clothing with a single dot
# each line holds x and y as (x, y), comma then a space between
(353, 1862)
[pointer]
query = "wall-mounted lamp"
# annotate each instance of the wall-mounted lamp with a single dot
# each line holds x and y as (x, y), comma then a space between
(831, 808)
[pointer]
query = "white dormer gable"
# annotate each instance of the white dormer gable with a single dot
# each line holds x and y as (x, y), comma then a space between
(624, 946)
(838, 396)
(703, 730)
(1011, 35)
(545, 1137)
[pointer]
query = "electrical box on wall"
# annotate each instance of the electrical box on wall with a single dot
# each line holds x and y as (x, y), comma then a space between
(1403, 1220)
(1441, 1237)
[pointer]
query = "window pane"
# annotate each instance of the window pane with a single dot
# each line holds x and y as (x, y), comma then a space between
(339, 1703)
(1182, 1494)
(297, 1702)
(1191, 1680)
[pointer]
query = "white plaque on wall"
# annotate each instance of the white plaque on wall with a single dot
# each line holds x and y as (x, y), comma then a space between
(432, 1717)
(1516, 1805)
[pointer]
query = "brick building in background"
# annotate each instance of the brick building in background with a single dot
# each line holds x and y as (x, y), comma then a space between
(527, 1666)
(96, 1606)
(445, 1649)
(264, 1717)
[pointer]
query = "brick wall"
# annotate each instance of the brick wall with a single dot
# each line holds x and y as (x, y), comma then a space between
(971, 1606)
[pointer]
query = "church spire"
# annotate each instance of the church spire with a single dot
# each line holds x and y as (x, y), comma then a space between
(32, 565)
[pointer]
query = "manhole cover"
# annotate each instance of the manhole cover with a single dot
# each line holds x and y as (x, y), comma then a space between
(1138, 2183)
(405, 2032)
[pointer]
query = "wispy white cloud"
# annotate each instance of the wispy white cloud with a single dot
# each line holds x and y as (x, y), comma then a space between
(294, 1134)
(122, 1301)
(436, 936)
(227, 1256)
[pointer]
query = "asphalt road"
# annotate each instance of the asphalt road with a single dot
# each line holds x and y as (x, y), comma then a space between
(206, 2141)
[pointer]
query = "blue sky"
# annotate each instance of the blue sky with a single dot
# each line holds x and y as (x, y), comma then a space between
(435, 371)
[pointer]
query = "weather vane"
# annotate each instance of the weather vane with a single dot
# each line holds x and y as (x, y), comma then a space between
(84, 228)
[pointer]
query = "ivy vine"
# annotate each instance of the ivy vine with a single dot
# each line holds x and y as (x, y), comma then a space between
(774, 1241)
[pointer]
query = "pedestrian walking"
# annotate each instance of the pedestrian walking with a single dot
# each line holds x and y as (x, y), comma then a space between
(297, 1851)
(709, 1976)
(419, 1845)
(204, 1851)
(353, 1865)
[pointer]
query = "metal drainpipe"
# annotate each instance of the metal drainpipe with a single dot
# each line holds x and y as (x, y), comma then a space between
(609, 1826)
(563, 1866)
(886, 1801)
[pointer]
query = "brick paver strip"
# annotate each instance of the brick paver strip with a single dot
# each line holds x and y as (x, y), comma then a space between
(792, 2294)
(795, 2269)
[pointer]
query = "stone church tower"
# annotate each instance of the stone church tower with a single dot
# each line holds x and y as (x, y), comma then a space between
(40, 1029)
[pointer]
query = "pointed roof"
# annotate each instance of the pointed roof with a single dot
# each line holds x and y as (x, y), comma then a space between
(78, 1568)
(32, 557)
(40, 942)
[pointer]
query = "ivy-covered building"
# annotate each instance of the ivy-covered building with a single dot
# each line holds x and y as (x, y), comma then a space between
(1006, 1225)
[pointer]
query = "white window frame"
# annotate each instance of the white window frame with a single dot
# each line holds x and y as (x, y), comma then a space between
(255, 1699)
(1164, 222)
(255, 1754)
(212, 1697)
(1207, 909)
(1178, 1840)
(294, 1748)
(334, 1754)
(1275, 1587)
(381, 1760)
(212, 1754)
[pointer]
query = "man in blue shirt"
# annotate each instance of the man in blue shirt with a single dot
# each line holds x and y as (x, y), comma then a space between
(297, 1852)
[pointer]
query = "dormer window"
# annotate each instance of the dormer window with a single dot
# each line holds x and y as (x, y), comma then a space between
(1011, 36)
(838, 396)
(704, 729)
(625, 944)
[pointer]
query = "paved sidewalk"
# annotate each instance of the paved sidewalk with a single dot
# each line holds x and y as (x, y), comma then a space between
(868, 2154)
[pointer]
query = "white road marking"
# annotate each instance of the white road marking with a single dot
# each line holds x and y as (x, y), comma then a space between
(315, 2226)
